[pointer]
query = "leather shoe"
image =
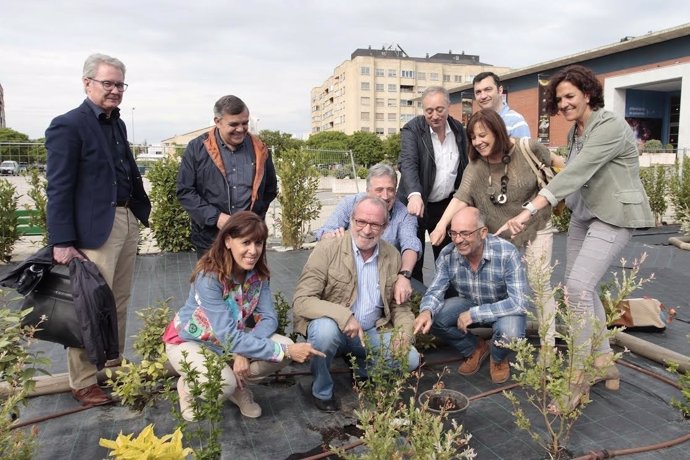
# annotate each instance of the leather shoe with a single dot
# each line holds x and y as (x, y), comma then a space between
(91, 396)
(473, 362)
(326, 405)
(500, 372)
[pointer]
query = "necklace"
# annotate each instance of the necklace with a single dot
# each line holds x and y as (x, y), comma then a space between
(501, 198)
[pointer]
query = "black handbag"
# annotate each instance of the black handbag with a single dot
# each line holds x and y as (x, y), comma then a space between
(53, 311)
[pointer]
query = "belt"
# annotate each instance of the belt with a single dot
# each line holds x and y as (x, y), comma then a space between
(122, 204)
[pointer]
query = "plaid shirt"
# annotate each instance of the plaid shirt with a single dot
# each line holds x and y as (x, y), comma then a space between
(498, 287)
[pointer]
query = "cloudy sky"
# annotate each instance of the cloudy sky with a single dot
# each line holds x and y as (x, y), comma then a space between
(181, 56)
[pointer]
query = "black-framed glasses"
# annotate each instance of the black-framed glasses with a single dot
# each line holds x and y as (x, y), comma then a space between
(109, 85)
(464, 235)
(360, 224)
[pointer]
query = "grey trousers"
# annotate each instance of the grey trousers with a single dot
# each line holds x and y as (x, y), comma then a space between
(592, 246)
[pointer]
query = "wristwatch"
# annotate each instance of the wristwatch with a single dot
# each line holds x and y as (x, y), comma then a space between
(530, 207)
(406, 273)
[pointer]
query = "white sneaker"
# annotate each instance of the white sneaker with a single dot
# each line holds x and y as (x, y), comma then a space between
(244, 399)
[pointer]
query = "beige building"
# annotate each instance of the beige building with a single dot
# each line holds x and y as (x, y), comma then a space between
(375, 90)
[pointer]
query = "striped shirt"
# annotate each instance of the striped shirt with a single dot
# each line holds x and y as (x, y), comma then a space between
(515, 123)
(368, 305)
(498, 287)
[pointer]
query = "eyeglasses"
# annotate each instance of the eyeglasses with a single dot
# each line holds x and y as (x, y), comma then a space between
(464, 235)
(109, 85)
(360, 224)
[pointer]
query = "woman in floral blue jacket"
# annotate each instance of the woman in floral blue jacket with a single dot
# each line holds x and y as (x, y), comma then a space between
(230, 284)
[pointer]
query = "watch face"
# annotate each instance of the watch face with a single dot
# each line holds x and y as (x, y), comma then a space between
(406, 273)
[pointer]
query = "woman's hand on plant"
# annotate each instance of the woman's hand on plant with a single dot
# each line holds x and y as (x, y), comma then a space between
(240, 367)
(300, 352)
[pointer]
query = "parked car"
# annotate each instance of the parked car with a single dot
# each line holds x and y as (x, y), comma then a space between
(9, 167)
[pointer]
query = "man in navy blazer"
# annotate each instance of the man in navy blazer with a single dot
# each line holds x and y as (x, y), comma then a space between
(96, 200)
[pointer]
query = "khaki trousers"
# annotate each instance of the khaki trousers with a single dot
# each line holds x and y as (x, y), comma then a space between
(257, 369)
(115, 260)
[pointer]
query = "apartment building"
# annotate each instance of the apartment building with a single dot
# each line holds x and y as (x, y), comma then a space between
(2, 108)
(375, 90)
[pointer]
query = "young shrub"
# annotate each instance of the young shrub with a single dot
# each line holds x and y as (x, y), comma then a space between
(393, 425)
(170, 223)
(283, 308)
(138, 385)
(546, 376)
(147, 445)
(680, 193)
(37, 192)
(8, 219)
(18, 367)
(683, 405)
(299, 181)
(655, 182)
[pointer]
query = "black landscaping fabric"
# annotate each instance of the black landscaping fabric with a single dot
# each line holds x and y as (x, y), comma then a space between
(291, 427)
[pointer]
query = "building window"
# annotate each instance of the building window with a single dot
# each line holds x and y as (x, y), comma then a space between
(406, 103)
(364, 129)
(457, 78)
(407, 73)
(364, 116)
(421, 75)
(392, 73)
(392, 130)
(392, 116)
(380, 72)
(364, 86)
(405, 117)
(392, 103)
(446, 78)
(469, 78)
(379, 86)
(379, 102)
(365, 101)
(364, 70)
(379, 131)
(379, 116)
(433, 76)
(392, 88)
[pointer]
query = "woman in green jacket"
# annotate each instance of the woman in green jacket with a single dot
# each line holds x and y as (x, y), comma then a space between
(601, 185)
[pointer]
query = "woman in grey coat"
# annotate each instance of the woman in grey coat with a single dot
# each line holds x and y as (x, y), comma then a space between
(601, 185)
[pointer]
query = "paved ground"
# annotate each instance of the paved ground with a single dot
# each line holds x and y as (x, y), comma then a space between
(638, 414)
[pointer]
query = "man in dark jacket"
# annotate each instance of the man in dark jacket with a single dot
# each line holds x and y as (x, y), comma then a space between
(224, 171)
(433, 156)
(96, 199)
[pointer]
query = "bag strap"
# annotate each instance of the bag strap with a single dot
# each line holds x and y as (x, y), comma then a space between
(535, 165)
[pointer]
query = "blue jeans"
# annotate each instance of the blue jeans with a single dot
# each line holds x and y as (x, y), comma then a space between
(325, 335)
(445, 327)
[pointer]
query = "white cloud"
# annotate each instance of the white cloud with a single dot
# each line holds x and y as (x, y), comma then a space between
(182, 56)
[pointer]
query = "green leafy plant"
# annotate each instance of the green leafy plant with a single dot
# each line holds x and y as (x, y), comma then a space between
(423, 342)
(299, 181)
(207, 403)
(562, 221)
(546, 376)
(170, 223)
(138, 385)
(37, 192)
(653, 146)
(283, 308)
(18, 367)
(680, 193)
(147, 446)
(393, 425)
(683, 405)
(655, 182)
(8, 219)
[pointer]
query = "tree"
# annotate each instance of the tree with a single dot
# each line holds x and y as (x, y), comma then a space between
(9, 152)
(328, 140)
(367, 148)
(279, 141)
(391, 148)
